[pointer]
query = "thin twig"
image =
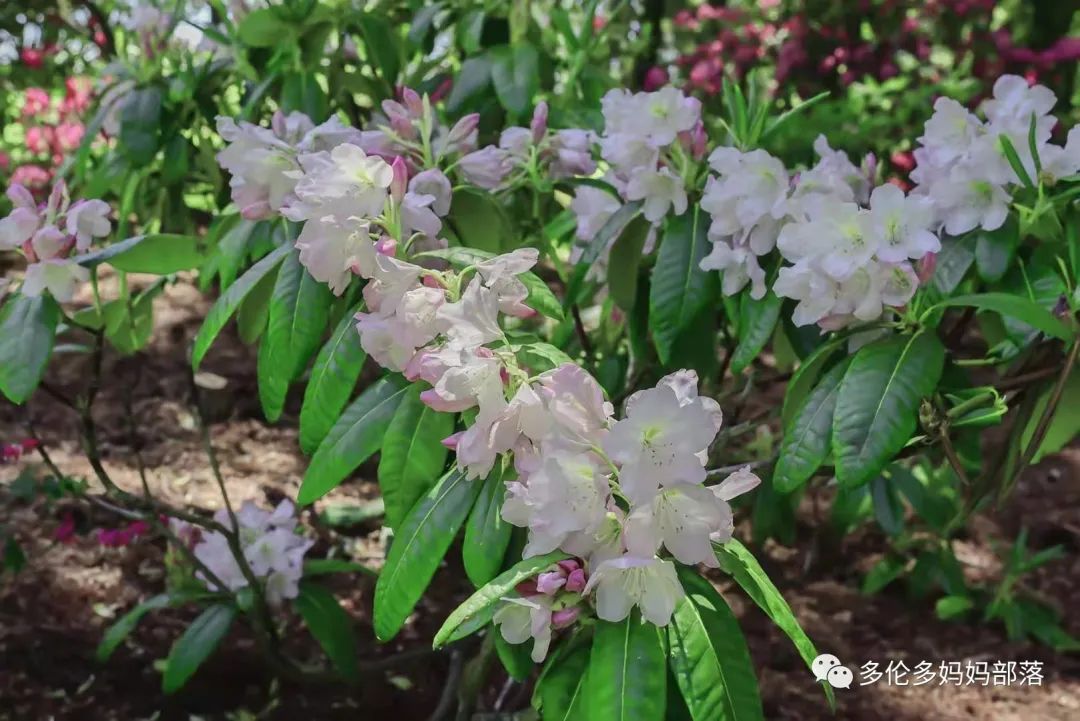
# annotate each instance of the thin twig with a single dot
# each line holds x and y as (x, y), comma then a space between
(453, 676)
(583, 336)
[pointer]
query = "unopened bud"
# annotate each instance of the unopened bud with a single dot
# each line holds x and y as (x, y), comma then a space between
(550, 582)
(576, 581)
(461, 135)
(527, 588)
(399, 182)
(926, 268)
(413, 102)
(386, 246)
(450, 441)
(539, 122)
(565, 617)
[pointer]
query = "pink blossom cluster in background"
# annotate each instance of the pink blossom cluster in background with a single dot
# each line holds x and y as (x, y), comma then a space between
(53, 130)
(12, 452)
(119, 537)
(815, 51)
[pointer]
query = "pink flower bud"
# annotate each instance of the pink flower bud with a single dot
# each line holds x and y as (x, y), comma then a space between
(549, 583)
(413, 102)
(527, 588)
(926, 267)
(431, 282)
(565, 617)
(655, 78)
(539, 122)
(277, 124)
(450, 441)
(570, 564)
(399, 184)
(462, 135)
(576, 581)
(386, 246)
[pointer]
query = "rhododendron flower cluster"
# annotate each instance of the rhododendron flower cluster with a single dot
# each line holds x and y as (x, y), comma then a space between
(556, 154)
(962, 165)
(271, 547)
(264, 161)
(646, 141)
(12, 452)
(51, 235)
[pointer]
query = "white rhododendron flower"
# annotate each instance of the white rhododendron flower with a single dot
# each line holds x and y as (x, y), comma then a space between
(649, 583)
(51, 237)
(272, 549)
(520, 619)
(660, 191)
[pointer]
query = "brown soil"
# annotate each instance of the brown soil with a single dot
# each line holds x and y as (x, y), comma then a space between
(53, 613)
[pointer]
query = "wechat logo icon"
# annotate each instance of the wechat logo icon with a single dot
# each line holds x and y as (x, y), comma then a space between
(828, 668)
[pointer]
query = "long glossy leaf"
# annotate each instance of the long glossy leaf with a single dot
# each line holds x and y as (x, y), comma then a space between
(486, 533)
(413, 456)
(299, 309)
(330, 626)
(418, 549)
(805, 378)
(120, 630)
(230, 300)
(1014, 306)
(608, 232)
(680, 288)
(196, 644)
(878, 402)
(709, 657)
(560, 690)
(757, 320)
(478, 609)
(515, 73)
(27, 333)
(627, 674)
(159, 253)
(356, 436)
(333, 378)
(740, 564)
(808, 440)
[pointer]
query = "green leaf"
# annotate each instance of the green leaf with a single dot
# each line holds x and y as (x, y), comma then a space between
(995, 250)
(878, 402)
(418, 548)
(807, 440)
(627, 677)
(333, 378)
(515, 73)
(1065, 424)
(471, 83)
(952, 606)
(413, 456)
(741, 565)
(680, 288)
(757, 321)
(230, 300)
(140, 125)
(1013, 306)
(127, 623)
(326, 566)
(195, 645)
(709, 657)
(129, 329)
(1014, 160)
(882, 574)
(515, 657)
(330, 626)
(952, 265)
(478, 609)
(805, 378)
(888, 510)
(540, 357)
(487, 535)
(623, 262)
(356, 436)
(27, 333)
(254, 312)
(479, 221)
(262, 28)
(301, 91)
(560, 690)
(159, 253)
(299, 310)
(381, 45)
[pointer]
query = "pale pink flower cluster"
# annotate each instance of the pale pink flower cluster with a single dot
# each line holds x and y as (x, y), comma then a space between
(52, 236)
(409, 129)
(271, 547)
(645, 137)
(962, 168)
(263, 161)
